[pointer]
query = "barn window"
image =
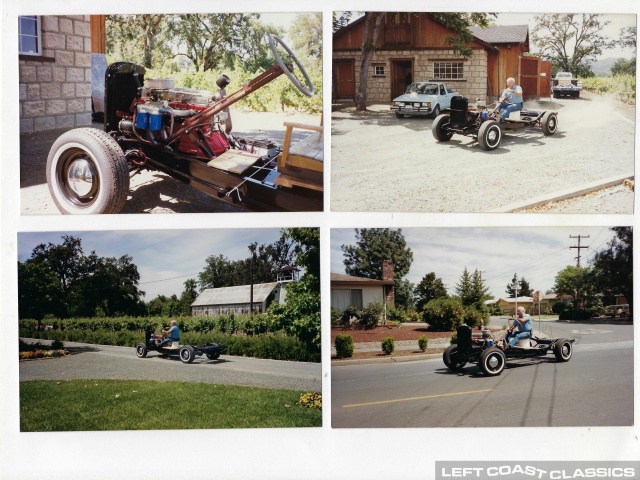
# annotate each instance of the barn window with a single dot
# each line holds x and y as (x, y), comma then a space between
(378, 70)
(29, 35)
(448, 70)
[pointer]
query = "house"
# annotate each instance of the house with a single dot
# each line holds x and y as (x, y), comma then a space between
(350, 291)
(509, 305)
(55, 59)
(413, 47)
(237, 300)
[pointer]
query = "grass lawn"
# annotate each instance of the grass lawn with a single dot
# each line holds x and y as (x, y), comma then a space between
(81, 405)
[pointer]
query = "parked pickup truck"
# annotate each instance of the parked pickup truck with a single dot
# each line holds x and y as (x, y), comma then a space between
(423, 98)
(565, 85)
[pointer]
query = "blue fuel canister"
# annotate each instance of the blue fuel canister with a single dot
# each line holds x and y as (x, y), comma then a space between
(155, 121)
(142, 120)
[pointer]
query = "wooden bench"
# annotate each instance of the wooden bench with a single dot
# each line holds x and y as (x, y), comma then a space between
(302, 164)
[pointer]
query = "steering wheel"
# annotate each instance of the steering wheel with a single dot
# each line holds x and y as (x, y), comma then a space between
(274, 40)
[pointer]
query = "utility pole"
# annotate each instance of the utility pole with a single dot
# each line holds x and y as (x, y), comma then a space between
(579, 237)
(514, 285)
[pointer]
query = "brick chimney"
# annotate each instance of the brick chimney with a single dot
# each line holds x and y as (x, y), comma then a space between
(387, 270)
(387, 274)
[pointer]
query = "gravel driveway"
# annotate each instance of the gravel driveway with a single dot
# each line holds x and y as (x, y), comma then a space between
(121, 363)
(381, 163)
(150, 191)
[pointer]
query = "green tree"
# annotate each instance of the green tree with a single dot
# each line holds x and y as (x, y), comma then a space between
(300, 315)
(613, 266)
(429, 288)
(471, 290)
(570, 41)
(306, 32)
(403, 294)
(624, 67)
(72, 284)
(579, 283)
(374, 246)
(523, 290)
(138, 38)
(459, 40)
(341, 20)
(189, 294)
(217, 40)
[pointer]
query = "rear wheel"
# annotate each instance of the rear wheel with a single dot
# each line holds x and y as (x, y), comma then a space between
(451, 359)
(213, 356)
(87, 172)
(141, 350)
(489, 135)
(563, 350)
(187, 354)
(549, 123)
(492, 361)
(439, 128)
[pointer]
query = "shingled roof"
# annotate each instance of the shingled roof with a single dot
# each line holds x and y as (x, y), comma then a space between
(501, 33)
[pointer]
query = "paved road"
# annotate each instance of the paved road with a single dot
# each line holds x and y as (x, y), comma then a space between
(383, 164)
(107, 362)
(595, 388)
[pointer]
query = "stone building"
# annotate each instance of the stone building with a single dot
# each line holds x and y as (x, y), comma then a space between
(55, 78)
(412, 47)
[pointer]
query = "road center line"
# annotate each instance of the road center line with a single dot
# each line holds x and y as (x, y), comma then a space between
(411, 399)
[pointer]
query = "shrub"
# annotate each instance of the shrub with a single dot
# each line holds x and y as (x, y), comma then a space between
(336, 316)
(344, 346)
(388, 345)
(396, 315)
(423, 342)
(443, 315)
(371, 315)
(474, 316)
(311, 400)
(350, 313)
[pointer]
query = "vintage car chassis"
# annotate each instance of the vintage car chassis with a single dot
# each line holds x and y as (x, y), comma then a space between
(186, 353)
(491, 359)
(147, 127)
(482, 123)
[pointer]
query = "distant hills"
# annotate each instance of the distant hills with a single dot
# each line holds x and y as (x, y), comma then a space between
(603, 66)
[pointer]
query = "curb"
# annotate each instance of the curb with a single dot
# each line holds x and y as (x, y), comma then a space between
(402, 359)
(564, 194)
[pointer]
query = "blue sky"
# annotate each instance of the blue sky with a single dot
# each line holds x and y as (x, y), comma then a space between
(536, 254)
(165, 258)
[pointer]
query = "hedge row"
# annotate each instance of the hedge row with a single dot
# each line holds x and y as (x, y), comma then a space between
(272, 346)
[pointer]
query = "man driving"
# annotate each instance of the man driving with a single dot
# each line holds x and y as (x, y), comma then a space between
(173, 334)
(524, 327)
(513, 99)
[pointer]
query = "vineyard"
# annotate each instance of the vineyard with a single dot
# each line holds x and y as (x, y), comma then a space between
(260, 336)
(623, 86)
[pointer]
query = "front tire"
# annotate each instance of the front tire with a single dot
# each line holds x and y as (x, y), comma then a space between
(213, 356)
(451, 359)
(489, 135)
(187, 354)
(399, 115)
(436, 112)
(492, 361)
(438, 128)
(87, 173)
(549, 123)
(563, 350)
(141, 350)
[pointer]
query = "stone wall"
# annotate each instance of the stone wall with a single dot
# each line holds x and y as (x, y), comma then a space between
(473, 86)
(55, 89)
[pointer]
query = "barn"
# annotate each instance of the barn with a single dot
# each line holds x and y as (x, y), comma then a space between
(413, 47)
(237, 300)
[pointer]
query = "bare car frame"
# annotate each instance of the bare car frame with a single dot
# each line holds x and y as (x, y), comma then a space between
(184, 133)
